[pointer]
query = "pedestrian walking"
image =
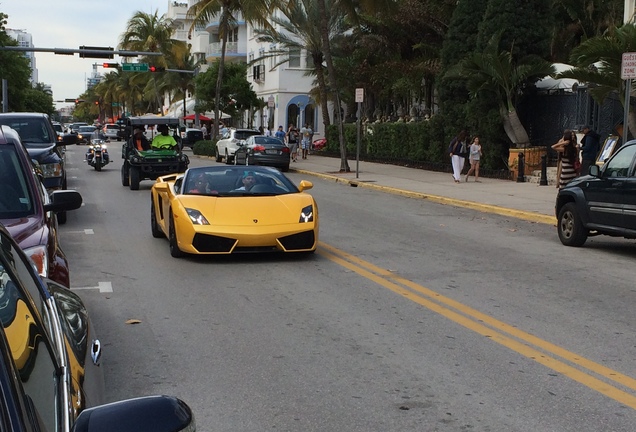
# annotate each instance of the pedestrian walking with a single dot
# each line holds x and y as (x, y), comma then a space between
(458, 150)
(474, 157)
(567, 150)
(292, 141)
(590, 146)
(280, 134)
(306, 134)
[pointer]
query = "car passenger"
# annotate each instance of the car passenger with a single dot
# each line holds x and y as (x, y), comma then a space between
(139, 140)
(199, 185)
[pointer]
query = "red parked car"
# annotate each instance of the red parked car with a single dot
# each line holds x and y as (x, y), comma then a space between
(28, 211)
(319, 144)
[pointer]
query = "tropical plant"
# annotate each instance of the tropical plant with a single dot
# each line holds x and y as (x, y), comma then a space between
(494, 75)
(153, 33)
(296, 29)
(598, 62)
(255, 12)
(15, 68)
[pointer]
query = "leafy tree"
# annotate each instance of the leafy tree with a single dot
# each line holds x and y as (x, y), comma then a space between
(576, 21)
(236, 92)
(39, 99)
(524, 26)
(255, 12)
(598, 61)
(15, 68)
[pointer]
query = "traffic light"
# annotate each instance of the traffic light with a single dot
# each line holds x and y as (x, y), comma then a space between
(96, 102)
(111, 65)
(154, 68)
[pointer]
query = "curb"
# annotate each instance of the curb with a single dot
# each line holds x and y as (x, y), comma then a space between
(487, 208)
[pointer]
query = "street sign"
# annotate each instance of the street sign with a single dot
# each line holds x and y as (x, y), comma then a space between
(271, 102)
(628, 66)
(134, 67)
(115, 104)
(359, 95)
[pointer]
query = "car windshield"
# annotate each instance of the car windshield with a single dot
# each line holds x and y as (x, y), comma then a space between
(267, 140)
(15, 198)
(33, 131)
(87, 129)
(231, 182)
(239, 134)
(58, 128)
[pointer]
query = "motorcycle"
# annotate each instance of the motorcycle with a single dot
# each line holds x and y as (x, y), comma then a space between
(97, 154)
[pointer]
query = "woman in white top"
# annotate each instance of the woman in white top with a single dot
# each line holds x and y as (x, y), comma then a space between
(473, 157)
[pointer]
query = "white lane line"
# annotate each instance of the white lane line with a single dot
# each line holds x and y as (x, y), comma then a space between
(103, 287)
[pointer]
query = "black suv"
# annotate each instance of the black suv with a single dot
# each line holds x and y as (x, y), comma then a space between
(41, 141)
(603, 202)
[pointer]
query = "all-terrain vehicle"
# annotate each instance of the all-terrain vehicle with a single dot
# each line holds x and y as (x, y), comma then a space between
(150, 164)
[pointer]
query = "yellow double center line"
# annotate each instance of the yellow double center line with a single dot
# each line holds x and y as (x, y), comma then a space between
(498, 331)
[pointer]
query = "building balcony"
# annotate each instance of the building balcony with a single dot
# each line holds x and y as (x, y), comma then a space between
(234, 51)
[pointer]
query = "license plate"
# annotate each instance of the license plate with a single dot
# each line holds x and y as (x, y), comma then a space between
(271, 152)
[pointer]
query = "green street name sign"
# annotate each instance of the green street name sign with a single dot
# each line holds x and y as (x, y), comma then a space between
(134, 67)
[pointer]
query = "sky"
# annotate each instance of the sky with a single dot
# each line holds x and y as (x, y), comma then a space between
(71, 24)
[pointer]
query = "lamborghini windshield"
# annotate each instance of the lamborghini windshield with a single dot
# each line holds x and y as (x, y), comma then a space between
(238, 181)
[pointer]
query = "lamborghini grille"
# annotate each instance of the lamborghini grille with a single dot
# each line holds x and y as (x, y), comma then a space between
(212, 243)
(303, 240)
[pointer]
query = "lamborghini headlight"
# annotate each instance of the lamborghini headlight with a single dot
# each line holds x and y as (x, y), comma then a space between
(196, 217)
(51, 170)
(307, 214)
(39, 258)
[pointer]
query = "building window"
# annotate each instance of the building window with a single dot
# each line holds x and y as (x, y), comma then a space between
(294, 57)
(309, 60)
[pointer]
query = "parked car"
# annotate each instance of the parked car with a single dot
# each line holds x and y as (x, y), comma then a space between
(229, 142)
(319, 144)
(50, 359)
(27, 209)
(602, 202)
(111, 131)
(222, 210)
(263, 150)
(85, 134)
(190, 136)
(37, 134)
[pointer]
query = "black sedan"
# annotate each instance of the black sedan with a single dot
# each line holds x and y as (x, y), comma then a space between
(50, 372)
(85, 134)
(263, 150)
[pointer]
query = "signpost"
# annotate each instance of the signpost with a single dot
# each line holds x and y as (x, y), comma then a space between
(359, 100)
(628, 73)
(134, 67)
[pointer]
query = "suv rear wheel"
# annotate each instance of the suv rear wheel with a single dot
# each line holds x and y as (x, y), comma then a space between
(570, 228)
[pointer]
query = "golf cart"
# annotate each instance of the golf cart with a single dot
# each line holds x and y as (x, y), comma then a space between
(150, 164)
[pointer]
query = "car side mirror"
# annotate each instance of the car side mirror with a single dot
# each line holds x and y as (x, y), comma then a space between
(144, 414)
(594, 171)
(305, 184)
(64, 200)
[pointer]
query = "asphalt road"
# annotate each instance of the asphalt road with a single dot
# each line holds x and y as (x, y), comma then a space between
(411, 316)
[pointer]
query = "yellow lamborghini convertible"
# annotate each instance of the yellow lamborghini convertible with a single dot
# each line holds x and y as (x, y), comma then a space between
(225, 210)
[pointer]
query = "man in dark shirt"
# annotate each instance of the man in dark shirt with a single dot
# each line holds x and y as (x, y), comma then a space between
(589, 149)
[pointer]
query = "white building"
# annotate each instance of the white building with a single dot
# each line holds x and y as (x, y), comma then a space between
(284, 89)
(25, 40)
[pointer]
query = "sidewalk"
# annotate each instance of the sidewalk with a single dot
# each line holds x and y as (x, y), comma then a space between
(527, 201)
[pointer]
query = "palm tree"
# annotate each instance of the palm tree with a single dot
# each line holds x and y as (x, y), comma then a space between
(494, 74)
(152, 33)
(352, 8)
(255, 12)
(598, 62)
(299, 30)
